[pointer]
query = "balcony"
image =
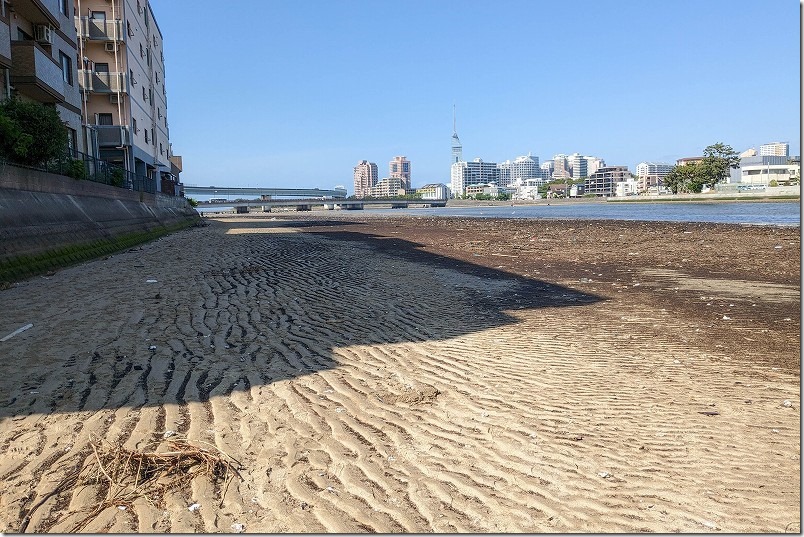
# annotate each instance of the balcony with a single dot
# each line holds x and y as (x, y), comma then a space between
(113, 135)
(35, 74)
(98, 29)
(102, 82)
(39, 11)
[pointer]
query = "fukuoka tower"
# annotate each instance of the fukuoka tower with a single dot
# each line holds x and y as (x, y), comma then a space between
(457, 149)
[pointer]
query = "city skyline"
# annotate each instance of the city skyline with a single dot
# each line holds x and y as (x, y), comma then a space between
(299, 105)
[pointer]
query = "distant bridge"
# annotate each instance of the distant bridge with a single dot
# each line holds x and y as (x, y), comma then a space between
(243, 206)
(250, 192)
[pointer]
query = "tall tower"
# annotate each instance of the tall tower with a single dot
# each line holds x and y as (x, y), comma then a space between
(457, 149)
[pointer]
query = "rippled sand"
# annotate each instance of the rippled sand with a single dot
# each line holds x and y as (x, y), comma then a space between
(364, 382)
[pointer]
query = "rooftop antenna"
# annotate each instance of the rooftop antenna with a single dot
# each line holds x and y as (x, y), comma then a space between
(454, 130)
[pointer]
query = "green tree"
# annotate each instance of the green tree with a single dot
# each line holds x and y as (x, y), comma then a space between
(717, 163)
(30, 132)
(683, 178)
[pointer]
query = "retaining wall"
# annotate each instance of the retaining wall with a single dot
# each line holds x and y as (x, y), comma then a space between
(48, 220)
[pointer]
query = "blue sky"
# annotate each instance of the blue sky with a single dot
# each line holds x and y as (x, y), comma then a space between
(294, 93)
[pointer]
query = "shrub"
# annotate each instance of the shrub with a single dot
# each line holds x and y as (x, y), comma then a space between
(117, 177)
(30, 132)
(76, 169)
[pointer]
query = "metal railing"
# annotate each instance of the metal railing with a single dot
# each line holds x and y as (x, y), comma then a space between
(79, 165)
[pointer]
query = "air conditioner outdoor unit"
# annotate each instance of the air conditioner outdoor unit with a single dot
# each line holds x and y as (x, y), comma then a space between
(43, 34)
(109, 46)
(114, 98)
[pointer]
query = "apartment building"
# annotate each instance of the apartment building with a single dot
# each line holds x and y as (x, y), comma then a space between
(774, 149)
(603, 181)
(365, 177)
(388, 187)
(477, 172)
(399, 168)
(650, 175)
(122, 78)
(38, 51)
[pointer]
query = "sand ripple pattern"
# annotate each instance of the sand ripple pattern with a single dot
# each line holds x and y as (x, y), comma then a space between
(365, 393)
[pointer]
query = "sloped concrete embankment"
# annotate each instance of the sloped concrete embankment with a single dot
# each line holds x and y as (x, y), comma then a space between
(49, 221)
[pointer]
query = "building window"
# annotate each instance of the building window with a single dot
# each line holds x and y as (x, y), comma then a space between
(148, 54)
(71, 140)
(129, 30)
(146, 137)
(161, 151)
(101, 67)
(151, 94)
(105, 119)
(142, 51)
(66, 68)
(144, 95)
(134, 125)
(98, 15)
(63, 7)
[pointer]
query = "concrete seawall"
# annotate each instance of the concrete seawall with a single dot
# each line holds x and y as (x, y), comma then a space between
(48, 220)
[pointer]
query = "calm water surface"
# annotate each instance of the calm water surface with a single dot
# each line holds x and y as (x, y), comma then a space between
(780, 213)
(777, 213)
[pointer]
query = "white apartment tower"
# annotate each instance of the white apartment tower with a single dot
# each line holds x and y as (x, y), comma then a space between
(365, 178)
(122, 74)
(775, 149)
(477, 172)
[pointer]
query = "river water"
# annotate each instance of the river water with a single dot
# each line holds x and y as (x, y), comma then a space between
(777, 213)
(780, 213)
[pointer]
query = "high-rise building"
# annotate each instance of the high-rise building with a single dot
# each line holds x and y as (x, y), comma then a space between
(650, 175)
(603, 181)
(477, 172)
(547, 170)
(504, 172)
(38, 55)
(122, 75)
(593, 164)
(774, 149)
(561, 167)
(365, 177)
(579, 166)
(399, 168)
(457, 148)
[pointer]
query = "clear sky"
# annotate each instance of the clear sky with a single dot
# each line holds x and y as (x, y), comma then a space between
(294, 93)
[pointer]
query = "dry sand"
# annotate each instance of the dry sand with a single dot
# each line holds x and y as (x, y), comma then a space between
(415, 375)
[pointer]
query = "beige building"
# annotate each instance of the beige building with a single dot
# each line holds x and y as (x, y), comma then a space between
(399, 168)
(365, 177)
(38, 47)
(388, 187)
(122, 76)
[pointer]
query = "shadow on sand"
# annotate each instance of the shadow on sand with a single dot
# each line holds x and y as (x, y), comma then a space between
(276, 301)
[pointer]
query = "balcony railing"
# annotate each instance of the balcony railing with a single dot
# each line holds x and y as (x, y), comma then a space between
(39, 11)
(99, 29)
(113, 135)
(112, 82)
(35, 73)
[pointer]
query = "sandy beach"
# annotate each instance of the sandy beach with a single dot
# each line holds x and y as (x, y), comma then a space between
(359, 373)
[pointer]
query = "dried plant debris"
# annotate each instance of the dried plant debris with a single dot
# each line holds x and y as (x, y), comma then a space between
(125, 475)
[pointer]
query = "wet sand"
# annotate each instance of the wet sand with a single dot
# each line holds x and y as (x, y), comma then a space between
(412, 374)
